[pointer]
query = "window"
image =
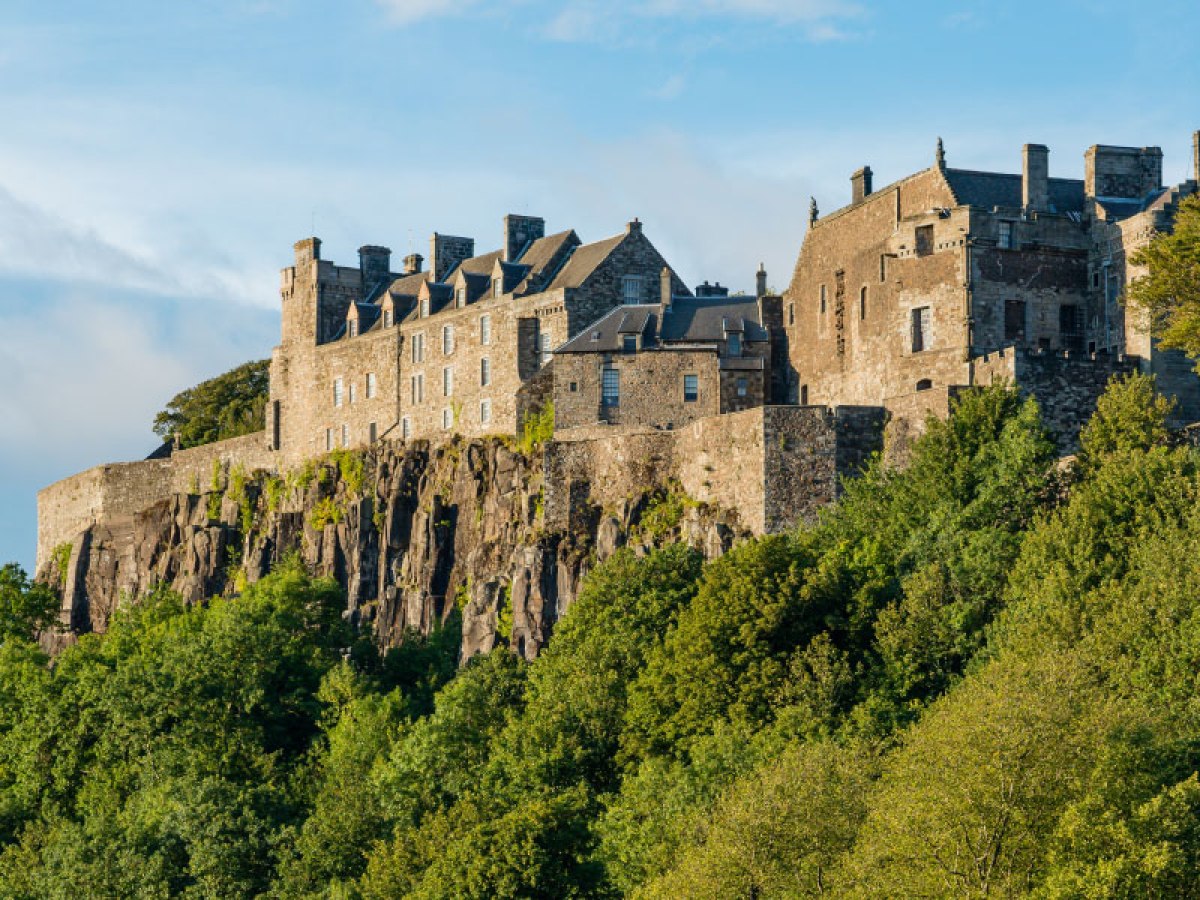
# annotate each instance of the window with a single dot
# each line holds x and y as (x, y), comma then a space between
(629, 343)
(920, 329)
(924, 240)
(372, 433)
(733, 342)
(418, 348)
(337, 392)
(352, 327)
(328, 439)
(691, 388)
(862, 303)
(742, 387)
(387, 318)
(924, 384)
(544, 346)
(1070, 327)
(1004, 241)
(791, 313)
(822, 299)
(485, 330)
(610, 388)
(1014, 320)
(1095, 279)
(485, 411)
(275, 424)
(497, 287)
(447, 382)
(447, 340)
(485, 372)
(352, 392)
(370, 385)
(631, 289)
(460, 297)
(345, 435)
(424, 307)
(406, 428)
(447, 418)
(574, 387)
(418, 387)
(804, 395)
(883, 267)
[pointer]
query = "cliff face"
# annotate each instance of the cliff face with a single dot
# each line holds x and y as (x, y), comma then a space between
(410, 531)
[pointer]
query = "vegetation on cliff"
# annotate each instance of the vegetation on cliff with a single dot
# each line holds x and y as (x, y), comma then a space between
(975, 677)
(227, 406)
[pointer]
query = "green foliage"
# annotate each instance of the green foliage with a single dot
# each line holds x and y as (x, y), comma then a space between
(351, 468)
(1129, 416)
(325, 511)
(227, 406)
(1169, 293)
(663, 513)
(61, 555)
(537, 428)
(26, 608)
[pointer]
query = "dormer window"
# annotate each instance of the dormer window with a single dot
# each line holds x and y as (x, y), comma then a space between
(629, 343)
(387, 318)
(424, 307)
(352, 328)
(460, 297)
(734, 343)
(497, 287)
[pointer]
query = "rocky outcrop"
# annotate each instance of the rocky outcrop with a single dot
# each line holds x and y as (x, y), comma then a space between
(412, 532)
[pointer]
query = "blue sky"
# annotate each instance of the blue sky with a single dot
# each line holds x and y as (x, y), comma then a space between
(158, 159)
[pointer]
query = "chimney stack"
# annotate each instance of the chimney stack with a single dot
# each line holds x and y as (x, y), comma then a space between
(307, 250)
(860, 183)
(760, 282)
(664, 287)
(374, 264)
(1035, 177)
(520, 232)
(413, 263)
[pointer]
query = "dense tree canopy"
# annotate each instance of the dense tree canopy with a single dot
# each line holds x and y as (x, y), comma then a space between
(1170, 291)
(975, 677)
(227, 406)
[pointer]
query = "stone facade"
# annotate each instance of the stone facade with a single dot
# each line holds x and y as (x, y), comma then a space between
(917, 286)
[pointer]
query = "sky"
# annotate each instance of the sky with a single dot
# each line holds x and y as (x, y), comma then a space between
(158, 160)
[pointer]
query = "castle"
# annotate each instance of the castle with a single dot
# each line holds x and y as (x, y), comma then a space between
(945, 279)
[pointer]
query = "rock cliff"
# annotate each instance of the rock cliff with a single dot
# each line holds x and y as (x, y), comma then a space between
(411, 531)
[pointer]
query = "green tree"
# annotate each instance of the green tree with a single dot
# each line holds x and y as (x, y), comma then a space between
(1130, 415)
(1169, 293)
(227, 406)
(26, 608)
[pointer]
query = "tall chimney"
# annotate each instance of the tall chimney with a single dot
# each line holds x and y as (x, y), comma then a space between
(1035, 177)
(374, 264)
(760, 282)
(860, 183)
(413, 263)
(664, 287)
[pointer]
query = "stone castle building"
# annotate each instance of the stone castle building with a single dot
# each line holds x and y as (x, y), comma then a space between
(952, 277)
(758, 404)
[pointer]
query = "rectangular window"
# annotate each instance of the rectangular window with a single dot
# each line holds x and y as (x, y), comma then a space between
(485, 411)
(406, 428)
(1004, 242)
(337, 392)
(791, 313)
(387, 318)
(629, 343)
(610, 388)
(370, 385)
(485, 372)
(460, 297)
(497, 287)
(733, 342)
(862, 303)
(883, 267)
(418, 388)
(447, 382)
(1014, 320)
(1070, 327)
(424, 307)
(920, 329)
(574, 387)
(447, 418)
(485, 330)
(352, 392)
(822, 299)
(631, 289)
(544, 346)
(328, 439)
(742, 387)
(691, 388)
(345, 435)
(352, 327)
(447, 340)
(372, 433)
(924, 240)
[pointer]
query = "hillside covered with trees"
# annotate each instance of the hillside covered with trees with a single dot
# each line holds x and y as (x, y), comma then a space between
(974, 677)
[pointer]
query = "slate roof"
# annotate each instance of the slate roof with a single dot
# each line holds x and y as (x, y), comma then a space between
(583, 262)
(544, 252)
(408, 285)
(368, 315)
(476, 265)
(990, 189)
(691, 321)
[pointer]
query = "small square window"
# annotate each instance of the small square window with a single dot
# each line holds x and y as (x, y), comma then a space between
(691, 388)
(574, 387)
(629, 343)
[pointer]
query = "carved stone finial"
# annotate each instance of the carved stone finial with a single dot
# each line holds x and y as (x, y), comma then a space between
(812, 210)
(940, 156)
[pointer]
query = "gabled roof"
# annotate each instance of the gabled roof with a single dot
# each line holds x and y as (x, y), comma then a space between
(990, 189)
(440, 295)
(689, 321)
(476, 265)
(583, 262)
(476, 283)
(408, 285)
(544, 256)
(368, 314)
